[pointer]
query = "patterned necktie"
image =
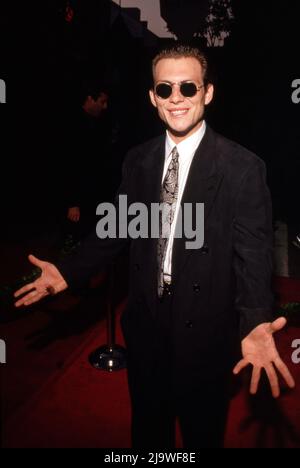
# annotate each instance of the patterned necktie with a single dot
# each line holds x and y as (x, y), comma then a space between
(168, 197)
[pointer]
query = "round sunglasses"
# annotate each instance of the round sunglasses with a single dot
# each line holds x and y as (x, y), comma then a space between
(187, 89)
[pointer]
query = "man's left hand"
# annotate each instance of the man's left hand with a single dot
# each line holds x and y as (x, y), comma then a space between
(259, 349)
(74, 214)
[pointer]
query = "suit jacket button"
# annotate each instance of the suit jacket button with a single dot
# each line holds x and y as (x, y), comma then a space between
(136, 267)
(196, 287)
(189, 324)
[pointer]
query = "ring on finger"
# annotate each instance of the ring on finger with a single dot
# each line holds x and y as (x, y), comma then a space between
(50, 290)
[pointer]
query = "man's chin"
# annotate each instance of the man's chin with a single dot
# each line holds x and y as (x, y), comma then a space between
(184, 132)
(178, 132)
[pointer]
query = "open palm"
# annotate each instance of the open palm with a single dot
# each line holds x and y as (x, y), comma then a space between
(259, 349)
(49, 283)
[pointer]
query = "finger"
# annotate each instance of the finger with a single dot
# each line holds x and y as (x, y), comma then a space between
(20, 303)
(30, 298)
(36, 261)
(33, 300)
(284, 371)
(273, 379)
(256, 374)
(24, 299)
(24, 290)
(240, 366)
(278, 324)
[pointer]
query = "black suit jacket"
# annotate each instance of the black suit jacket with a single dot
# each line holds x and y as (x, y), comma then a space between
(218, 289)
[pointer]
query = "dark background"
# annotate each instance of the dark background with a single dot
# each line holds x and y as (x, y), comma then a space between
(44, 57)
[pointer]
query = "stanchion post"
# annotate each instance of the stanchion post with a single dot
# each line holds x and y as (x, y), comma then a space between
(110, 357)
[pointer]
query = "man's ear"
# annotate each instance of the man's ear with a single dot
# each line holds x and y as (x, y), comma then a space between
(209, 93)
(152, 97)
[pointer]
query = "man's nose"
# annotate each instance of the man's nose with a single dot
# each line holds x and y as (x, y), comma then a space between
(176, 95)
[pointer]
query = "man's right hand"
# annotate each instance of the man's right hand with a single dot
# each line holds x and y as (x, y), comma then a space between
(49, 283)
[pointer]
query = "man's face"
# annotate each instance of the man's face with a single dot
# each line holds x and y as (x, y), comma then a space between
(182, 115)
(97, 107)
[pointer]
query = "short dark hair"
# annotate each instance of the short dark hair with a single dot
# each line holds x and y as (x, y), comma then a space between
(178, 51)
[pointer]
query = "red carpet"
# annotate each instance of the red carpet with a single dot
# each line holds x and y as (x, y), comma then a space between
(287, 289)
(82, 407)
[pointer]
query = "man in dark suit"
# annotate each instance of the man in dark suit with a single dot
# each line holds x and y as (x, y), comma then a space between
(91, 176)
(187, 307)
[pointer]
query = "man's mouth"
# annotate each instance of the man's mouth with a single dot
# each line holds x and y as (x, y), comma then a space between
(178, 112)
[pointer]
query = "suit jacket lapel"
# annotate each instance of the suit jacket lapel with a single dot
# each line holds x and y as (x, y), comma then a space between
(152, 167)
(202, 185)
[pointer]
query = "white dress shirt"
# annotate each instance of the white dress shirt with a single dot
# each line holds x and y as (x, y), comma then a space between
(186, 149)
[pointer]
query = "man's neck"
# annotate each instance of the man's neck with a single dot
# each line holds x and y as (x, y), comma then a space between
(180, 138)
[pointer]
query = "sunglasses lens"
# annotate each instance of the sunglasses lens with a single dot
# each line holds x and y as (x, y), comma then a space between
(188, 89)
(163, 90)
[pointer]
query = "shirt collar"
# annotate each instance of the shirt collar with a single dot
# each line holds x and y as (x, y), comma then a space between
(187, 146)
